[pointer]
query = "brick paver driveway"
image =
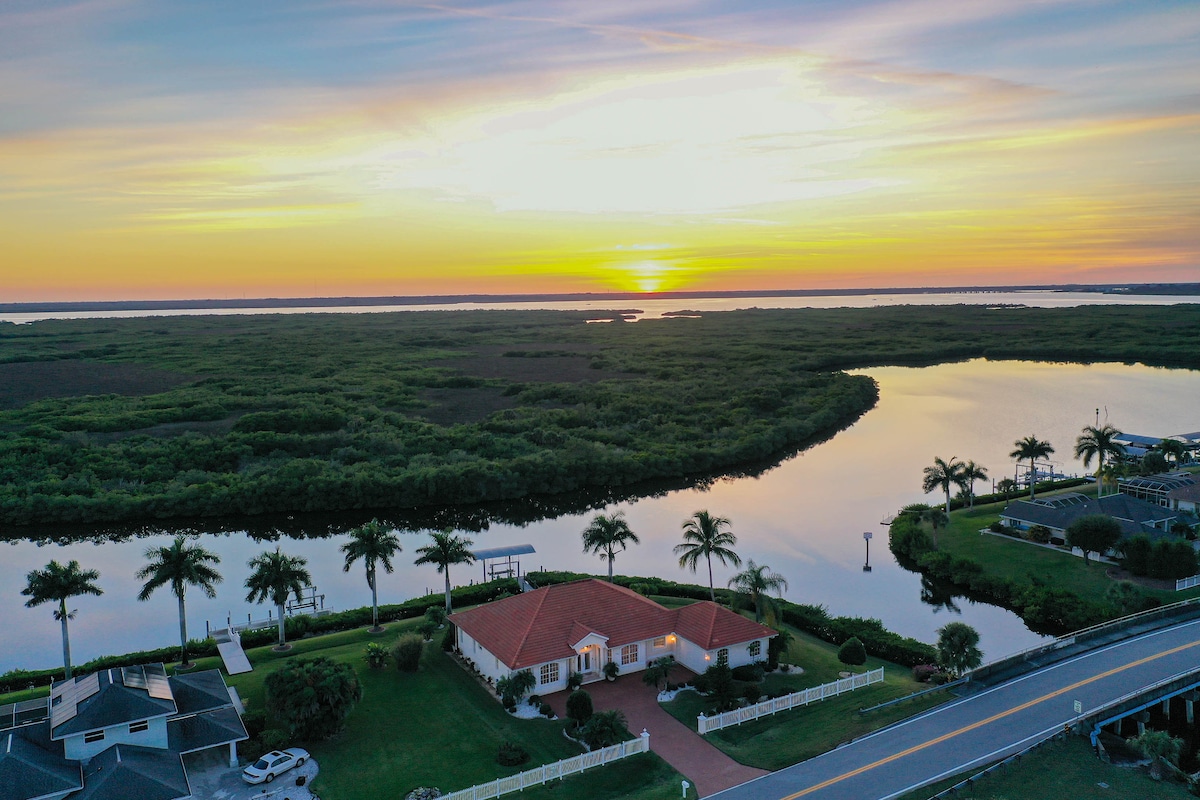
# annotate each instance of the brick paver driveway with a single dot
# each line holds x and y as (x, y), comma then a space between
(708, 769)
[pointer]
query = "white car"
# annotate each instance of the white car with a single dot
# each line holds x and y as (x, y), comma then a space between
(274, 763)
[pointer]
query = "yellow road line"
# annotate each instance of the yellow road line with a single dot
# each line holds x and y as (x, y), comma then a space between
(966, 729)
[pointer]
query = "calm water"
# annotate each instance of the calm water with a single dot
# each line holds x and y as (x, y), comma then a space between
(652, 308)
(804, 518)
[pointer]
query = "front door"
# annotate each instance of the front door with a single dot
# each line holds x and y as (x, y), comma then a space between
(585, 660)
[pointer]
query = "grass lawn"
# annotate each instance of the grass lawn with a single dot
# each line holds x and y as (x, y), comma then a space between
(1064, 768)
(792, 736)
(1017, 560)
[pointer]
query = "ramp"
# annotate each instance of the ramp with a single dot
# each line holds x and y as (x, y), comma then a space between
(229, 645)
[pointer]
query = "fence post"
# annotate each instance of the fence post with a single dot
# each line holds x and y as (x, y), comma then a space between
(646, 740)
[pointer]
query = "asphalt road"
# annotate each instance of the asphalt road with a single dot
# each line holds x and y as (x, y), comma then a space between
(981, 728)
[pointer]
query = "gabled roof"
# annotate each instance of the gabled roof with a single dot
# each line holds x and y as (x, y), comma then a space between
(30, 769)
(1186, 493)
(114, 704)
(542, 625)
(201, 731)
(125, 771)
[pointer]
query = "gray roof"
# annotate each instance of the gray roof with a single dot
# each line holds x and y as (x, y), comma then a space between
(114, 704)
(1133, 438)
(124, 771)
(501, 552)
(30, 768)
(202, 731)
(1132, 514)
(1190, 493)
(200, 691)
(1161, 482)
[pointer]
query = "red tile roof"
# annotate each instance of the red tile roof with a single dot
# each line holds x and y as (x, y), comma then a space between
(542, 625)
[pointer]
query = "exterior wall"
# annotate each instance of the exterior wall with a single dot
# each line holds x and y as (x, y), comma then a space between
(739, 654)
(76, 749)
(690, 655)
(485, 662)
(565, 667)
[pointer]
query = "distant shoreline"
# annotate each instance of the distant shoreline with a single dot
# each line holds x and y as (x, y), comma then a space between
(1181, 289)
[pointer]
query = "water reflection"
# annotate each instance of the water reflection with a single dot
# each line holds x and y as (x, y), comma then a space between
(804, 518)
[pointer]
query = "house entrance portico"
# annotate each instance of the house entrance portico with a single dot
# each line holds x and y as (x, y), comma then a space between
(588, 662)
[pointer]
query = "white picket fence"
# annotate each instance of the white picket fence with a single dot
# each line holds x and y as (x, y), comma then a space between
(801, 698)
(1187, 583)
(548, 772)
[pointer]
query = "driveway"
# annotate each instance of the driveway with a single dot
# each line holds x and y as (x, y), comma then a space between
(708, 769)
(212, 778)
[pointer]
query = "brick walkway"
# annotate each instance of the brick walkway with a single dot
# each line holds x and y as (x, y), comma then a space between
(708, 769)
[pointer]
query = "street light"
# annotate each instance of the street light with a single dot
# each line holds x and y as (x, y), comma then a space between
(867, 539)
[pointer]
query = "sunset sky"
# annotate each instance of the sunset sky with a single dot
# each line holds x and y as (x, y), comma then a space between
(155, 149)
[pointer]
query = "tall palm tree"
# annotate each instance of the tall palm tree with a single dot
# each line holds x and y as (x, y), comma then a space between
(374, 543)
(57, 582)
(972, 472)
(942, 475)
(605, 534)
(1172, 449)
(704, 537)
(446, 549)
(179, 564)
(1099, 442)
(757, 580)
(1032, 448)
(275, 576)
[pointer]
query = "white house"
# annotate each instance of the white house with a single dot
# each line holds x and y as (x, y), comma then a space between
(582, 625)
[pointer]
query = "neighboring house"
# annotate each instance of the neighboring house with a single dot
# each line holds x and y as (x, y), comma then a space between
(119, 733)
(1057, 512)
(1136, 446)
(1185, 498)
(582, 625)
(1155, 488)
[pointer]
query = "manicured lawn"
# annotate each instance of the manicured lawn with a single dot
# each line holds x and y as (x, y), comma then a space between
(1061, 769)
(792, 736)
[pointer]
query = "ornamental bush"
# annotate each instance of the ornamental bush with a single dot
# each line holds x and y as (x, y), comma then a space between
(511, 754)
(579, 706)
(312, 697)
(407, 652)
(852, 652)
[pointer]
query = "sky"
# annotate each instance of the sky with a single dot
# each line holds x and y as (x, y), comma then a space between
(160, 149)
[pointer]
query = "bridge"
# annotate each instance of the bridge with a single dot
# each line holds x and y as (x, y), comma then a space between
(1081, 681)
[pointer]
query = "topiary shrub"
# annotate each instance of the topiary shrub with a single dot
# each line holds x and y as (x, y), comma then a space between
(312, 697)
(852, 652)
(545, 710)
(511, 754)
(407, 652)
(579, 706)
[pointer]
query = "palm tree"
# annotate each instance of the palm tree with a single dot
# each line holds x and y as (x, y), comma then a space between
(958, 647)
(605, 534)
(374, 543)
(179, 564)
(1006, 486)
(703, 537)
(1099, 442)
(756, 580)
(57, 582)
(275, 576)
(942, 475)
(446, 549)
(1032, 448)
(972, 472)
(936, 518)
(1173, 449)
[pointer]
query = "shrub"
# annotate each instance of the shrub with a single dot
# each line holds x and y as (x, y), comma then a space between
(752, 693)
(312, 696)
(407, 652)
(574, 681)
(1137, 554)
(273, 739)
(922, 673)
(996, 527)
(579, 706)
(511, 754)
(721, 686)
(424, 793)
(751, 673)
(375, 655)
(611, 670)
(785, 668)
(426, 630)
(545, 710)
(852, 652)
(534, 700)
(509, 703)
(1037, 533)
(448, 639)
(604, 729)
(436, 615)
